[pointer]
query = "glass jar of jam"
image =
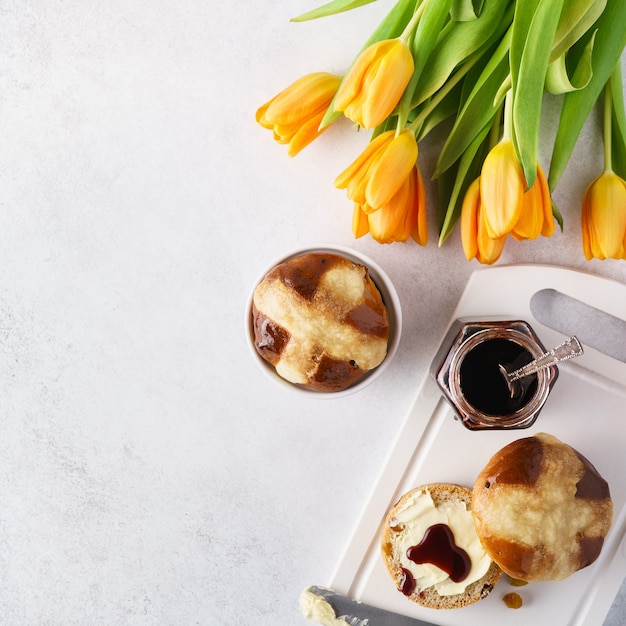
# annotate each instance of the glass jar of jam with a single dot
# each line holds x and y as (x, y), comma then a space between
(466, 369)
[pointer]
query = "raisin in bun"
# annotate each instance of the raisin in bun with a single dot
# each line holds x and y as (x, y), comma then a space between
(431, 550)
(320, 321)
(541, 509)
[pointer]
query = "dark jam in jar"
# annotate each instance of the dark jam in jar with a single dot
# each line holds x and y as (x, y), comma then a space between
(482, 383)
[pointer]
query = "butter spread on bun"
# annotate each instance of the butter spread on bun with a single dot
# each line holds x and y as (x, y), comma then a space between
(455, 569)
(541, 509)
(319, 319)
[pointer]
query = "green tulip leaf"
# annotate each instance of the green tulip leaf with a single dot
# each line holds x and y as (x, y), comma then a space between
(423, 42)
(618, 152)
(524, 12)
(446, 108)
(558, 80)
(331, 8)
(467, 10)
(454, 183)
(618, 123)
(617, 91)
(577, 105)
(528, 76)
(478, 109)
(576, 19)
(393, 24)
(557, 215)
(504, 88)
(457, 42)
(391, 123)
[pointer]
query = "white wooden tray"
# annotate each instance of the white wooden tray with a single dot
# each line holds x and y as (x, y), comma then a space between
(586, 409)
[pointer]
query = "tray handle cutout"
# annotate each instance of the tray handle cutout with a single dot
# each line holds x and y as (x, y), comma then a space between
(569, 316)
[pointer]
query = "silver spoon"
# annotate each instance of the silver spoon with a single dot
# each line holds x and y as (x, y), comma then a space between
(569, 349)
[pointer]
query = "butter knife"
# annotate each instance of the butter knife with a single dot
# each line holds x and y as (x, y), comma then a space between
(356, 613)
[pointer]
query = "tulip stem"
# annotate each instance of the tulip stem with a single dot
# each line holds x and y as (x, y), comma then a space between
(494, 133)
(411, 26)
(507, 131)
(608, 126)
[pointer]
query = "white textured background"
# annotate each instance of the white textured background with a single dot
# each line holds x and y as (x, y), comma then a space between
(148, 473)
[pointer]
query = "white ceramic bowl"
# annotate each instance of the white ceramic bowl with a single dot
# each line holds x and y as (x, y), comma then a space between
(389, 296)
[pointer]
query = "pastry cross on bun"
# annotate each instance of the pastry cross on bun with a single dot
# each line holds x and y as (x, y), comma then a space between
(541, 509)
(320, 321)
(431, 550)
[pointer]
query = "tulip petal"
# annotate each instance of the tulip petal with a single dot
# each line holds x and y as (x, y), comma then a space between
(387, 224)
(547, 230)
(260, 116)
(352, 83)
(419, 231)
(501, 189)
(586, 235)
(391, 169)
(360, 225)
(489, 248)
(359, 166)
(306, 133)
(469, 220)
(531, 218)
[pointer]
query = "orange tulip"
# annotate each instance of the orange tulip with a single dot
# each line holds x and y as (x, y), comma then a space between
(604, 218)
(374, 85)
(295, 114)
(387, 189)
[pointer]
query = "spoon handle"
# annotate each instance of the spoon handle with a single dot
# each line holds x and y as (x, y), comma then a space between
(567, 350)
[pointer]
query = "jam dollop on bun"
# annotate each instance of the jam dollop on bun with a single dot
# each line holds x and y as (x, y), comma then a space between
(320, 320)
(541, 509)
(430, 548)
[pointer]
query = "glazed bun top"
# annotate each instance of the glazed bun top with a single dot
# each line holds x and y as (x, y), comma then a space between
(541, 509)
(321, 321)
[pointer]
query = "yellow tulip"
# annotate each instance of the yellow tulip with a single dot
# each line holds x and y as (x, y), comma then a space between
(295, 114)
(387, 189)
(604, 218)
(475, 239)
(502, 185)
(374, 85)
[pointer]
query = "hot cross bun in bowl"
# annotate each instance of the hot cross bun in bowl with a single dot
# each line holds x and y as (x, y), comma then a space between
(324, 320)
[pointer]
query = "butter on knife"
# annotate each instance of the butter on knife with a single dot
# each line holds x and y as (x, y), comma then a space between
(329, 608)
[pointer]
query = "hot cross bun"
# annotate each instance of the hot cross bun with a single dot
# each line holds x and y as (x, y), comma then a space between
(320, 320)
(541, 509)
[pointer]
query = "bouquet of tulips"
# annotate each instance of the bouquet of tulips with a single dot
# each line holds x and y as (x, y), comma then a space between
(485, 66)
